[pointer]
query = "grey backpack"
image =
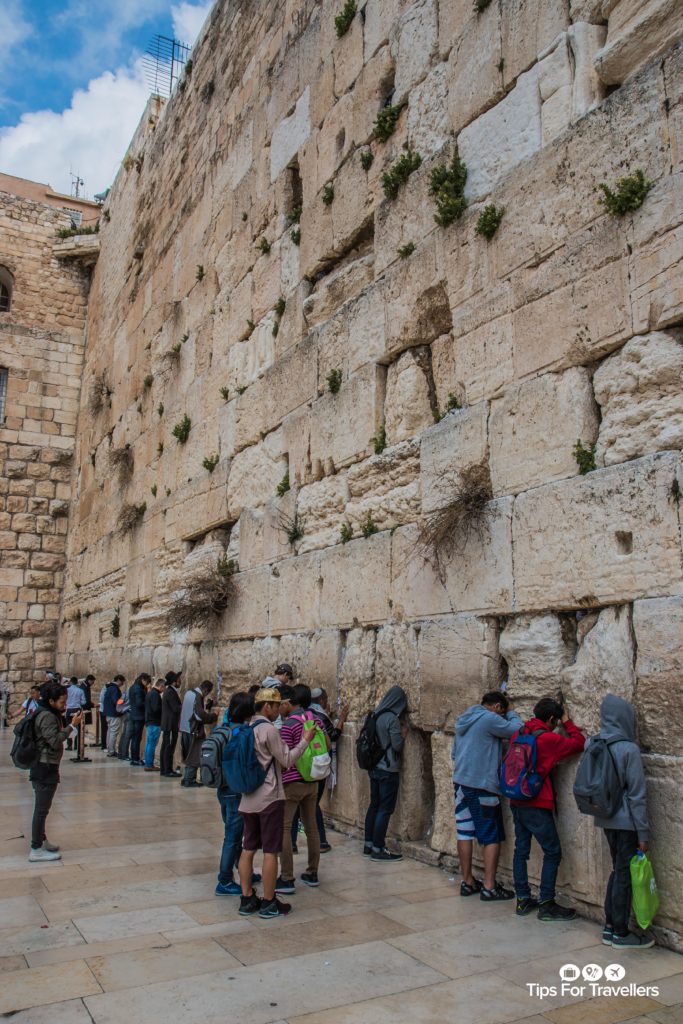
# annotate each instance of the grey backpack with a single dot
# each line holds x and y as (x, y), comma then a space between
(598, 790)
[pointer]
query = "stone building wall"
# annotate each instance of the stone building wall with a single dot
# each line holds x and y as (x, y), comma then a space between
(41, 347)
(249, 256)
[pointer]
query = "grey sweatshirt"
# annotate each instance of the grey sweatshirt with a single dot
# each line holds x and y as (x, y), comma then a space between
(477, 746)
(389, 729)
(618, 723)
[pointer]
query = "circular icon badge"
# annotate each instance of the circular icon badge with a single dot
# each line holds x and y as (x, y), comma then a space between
(592, 972)
(570, 972)
(615, 972)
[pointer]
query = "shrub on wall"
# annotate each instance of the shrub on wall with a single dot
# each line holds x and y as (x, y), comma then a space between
(447, 187)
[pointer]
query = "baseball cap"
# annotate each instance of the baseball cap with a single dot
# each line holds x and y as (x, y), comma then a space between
(267, 694)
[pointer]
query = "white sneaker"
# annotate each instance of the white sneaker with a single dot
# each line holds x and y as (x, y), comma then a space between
(50, 847)
(42, 854)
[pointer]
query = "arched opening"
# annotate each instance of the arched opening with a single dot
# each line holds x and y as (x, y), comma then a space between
(6, 288)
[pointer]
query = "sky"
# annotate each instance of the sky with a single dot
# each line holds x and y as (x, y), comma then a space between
(72, 86)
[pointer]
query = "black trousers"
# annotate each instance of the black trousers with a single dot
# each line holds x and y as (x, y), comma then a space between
(169, 738)
(103, 730)
(44, 779)
(383, 797)
(623, 844)
(135, 737)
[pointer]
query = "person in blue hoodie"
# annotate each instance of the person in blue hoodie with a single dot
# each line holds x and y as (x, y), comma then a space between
(477, 753)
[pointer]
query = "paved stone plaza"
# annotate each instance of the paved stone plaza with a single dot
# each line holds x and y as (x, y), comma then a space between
(127, 928)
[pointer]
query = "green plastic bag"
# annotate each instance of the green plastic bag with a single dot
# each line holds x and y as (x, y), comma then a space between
(644, 886)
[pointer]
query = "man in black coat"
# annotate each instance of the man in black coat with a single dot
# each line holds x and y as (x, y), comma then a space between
(136, 697)
(153, 722)
(170, 722)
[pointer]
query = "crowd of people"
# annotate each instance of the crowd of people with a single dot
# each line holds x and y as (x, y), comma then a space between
(268, 788)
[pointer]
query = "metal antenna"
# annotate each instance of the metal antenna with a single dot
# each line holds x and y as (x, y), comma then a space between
(77, 184)
(163, 61)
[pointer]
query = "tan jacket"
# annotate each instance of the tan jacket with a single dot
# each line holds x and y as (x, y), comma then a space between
(272, 751)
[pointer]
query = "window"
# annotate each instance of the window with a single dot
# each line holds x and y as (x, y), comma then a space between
(3, 393)
(76, 217)
(6, 286)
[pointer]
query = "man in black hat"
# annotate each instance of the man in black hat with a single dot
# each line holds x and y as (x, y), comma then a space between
(170, 723)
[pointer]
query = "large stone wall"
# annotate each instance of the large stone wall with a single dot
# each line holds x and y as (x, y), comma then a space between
(565, 325)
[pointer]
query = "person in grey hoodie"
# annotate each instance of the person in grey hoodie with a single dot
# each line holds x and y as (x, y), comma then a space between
(477, 753)
(627, 831)
(384, 778)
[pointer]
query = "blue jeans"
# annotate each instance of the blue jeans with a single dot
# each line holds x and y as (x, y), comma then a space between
(538, 822)
(232, 837)
(153, 732)
(383, 797)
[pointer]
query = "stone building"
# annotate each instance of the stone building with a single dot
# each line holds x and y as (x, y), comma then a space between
(382, 420)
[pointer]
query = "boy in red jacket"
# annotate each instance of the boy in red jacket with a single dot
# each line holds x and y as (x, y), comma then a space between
(535, 817)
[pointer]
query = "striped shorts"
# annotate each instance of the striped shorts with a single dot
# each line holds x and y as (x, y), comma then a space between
(478, 815)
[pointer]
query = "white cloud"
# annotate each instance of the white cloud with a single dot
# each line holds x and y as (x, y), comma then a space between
(91, 135)
(188, 19)
(14, 29)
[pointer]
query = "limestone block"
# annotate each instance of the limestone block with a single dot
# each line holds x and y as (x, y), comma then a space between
(343, 424)
(320, 507)
(396, 663)
(672, 85)
(429, 127)
(262, 538)
(640, 396)
(637, 32)
(452, 18)
(387, 510)
(296, 432)
(356, 685)
(532, 430)
(408, 219)
(398, 466)
(656, 289)
(536, 649)
(247, 614)
(528, 30)
(416, 587)
(290, 134)
(456, 443)
(443, 832)
(248, 359)
(479, 576)
(458, 662)
(374, 85)
(587, 90)
(475, 53)
(408, 404)
(255, 474)
(556, 88)
(417, 307)
(657, 626)
(267, 283)
(341, 601)
(619, 539)
(337, 288)
(290, 273)
(348, 57)
(413, 42)
(483, 359)
(317, 247)
(664, 778)
(380, 18)
(352, 209)
(349, 800)
(334, 140)
(414, 810)
(314, 658)
(295, 594)
(587, 10)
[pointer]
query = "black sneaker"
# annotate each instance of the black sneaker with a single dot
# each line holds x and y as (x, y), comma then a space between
(274, 908)
(310, 878)
(249, 905)
(285, 888)
(526, 906)
(385, 855)
(632, 941)
(607, 935)
(295, 848)
(549, 910)
(496, 894)
(367, 849)
(471, 890)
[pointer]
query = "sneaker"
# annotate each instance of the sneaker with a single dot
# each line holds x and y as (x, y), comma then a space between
(191, 785)
(325, 847)
(228, 889)
(285, 888)
(467, 889)
(607, 935)
(632, 941)
(496, 894)
(549, 910)
(249, 905)
(50, 847)
(385, 855)
(42, 854)
(274, 908)
(151, 769)
(310, 878)
(526, 906)
(138, 764)
(255, 878)
(112, 755)
(295, 848)
(367, 849)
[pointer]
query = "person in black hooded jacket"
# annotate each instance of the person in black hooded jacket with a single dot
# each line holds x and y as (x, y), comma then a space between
(136, 696)
(384, 777)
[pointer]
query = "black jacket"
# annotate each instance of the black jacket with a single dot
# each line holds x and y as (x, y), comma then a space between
(170, 709)
(136, 696)
(153, 707)
(112, 694)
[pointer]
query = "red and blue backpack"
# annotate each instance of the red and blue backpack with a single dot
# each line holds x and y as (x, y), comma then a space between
(519, 778)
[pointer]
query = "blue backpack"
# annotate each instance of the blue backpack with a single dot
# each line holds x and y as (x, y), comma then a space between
(242, 770)
(519, 779)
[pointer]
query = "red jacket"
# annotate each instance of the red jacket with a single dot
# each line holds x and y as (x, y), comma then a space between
(551, 747)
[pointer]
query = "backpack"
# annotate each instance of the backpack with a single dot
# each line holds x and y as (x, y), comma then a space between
(242, 770)
(369, 750)
(211, 757)
(598, 790)
(315, 763)
(25, 751)
(519, 779)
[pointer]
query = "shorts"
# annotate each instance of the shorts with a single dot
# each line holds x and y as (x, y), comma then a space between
(478, 815)
(264, 831)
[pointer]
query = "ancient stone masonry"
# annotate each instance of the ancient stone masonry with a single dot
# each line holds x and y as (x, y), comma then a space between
(294, 370)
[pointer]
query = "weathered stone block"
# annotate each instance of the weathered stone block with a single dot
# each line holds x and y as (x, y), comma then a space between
(636, 34)
(536, 649)
(408, 404)
(290, 135)
(449, 447)
(295, 594)
(413, 44)
(416, 301)
(473, 85)
(527, 30)
(356, 677)
(320, 507)
(657, 625)
(443, 833)
(255, 474)
(429, 127)
(342, 603)
(343, 424)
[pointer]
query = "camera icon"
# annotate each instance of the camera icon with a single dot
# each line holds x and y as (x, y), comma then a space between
(570, 972)
(615, 972)
(592, 972)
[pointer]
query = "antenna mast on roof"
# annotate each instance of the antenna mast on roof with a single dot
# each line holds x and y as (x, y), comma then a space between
(77, 184)
(163, 61)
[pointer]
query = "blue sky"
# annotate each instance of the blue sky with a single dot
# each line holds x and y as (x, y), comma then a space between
(71, 84)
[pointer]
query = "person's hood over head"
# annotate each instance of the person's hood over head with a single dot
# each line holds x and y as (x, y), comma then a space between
(617, 719)
(393, 700)
(468, 718)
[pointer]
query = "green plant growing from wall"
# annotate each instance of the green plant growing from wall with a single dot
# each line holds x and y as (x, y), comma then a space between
(489, 220)
(399, 173)
(154, 489)
(205, 595)
(181, 431)
(283, 486)
(245, 216)
(168, 492)
(585, 457)
(160, 409)
(406, 250)
(465, 514)
(292, 527)
(295, 214)
(346, 533)
(451, 406)
(500, 66)
(160, 448)
(251, 325)
(481, 5)
(210, 463)
(185, 337)
(447, 187)
(275, 330)
(342, 21)
(130, 516)
(334, 381)
(385, 123)
(201, 273)
(225, 394)
(148, 381)
(368, 526)
(174, 352)
(367, 158)
(115, 627)
(99, 395)
(379, 441)
(295, 235)
(675, 491)
(280, 306)
(264, 245)
(328, 194)
(241, 389)
(628, 194)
